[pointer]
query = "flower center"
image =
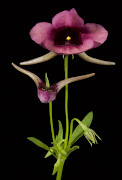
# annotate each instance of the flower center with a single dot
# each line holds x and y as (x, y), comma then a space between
(68, 38)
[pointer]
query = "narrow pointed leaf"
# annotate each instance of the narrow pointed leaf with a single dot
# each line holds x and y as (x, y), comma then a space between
(49, 153)
(78, 132)
(60, 132)
(56, 166)
(73, 149)
(38, 143)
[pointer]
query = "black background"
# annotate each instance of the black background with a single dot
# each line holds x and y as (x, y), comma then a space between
(25, 115)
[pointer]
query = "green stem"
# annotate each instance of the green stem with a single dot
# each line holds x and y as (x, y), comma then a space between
(59, 173)
(71, 131)
(66, 100)
(51, 122)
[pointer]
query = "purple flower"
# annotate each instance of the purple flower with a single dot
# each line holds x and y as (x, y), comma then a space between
(48, 94)
(67, 34)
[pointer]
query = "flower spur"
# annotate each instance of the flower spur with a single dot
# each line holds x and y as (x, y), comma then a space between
(51, 55)
(46, 93)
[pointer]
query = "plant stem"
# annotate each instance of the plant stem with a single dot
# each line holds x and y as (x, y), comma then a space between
(66, 100)
(59, 173)
(51, 122)
(71, 130)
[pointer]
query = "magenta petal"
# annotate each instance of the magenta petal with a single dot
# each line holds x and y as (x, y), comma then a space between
(41, 32)
(96, 32)
(70, 49)
(68, 19)
(75, 19)
(46, 96)
(60, 20)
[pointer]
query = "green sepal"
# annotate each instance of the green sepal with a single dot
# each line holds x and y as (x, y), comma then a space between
(78, 132)
(47, 80)
(38, 143)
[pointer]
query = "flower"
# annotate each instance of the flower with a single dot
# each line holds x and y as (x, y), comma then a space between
(90, 134)
(46, 93)
(67, 34)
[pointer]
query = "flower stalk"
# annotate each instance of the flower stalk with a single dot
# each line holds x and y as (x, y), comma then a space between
(51, 123)
(66, 100)
(60, 171)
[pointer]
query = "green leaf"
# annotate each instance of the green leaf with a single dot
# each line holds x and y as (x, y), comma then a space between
(49, 153)
(56, 166)
(78, 132)
(60, 132)
(38, 143)
(73, 149)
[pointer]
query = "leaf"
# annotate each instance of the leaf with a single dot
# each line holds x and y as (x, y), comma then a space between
(78, 132)
(60, 132)
(56, 166)
(49, 153)
(38, 143)
(73, 149)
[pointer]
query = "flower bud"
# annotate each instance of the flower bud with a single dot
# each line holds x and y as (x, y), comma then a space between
(90, 134)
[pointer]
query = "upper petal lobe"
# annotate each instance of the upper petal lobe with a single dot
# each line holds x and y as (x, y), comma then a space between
(41, 32)
(75, 20)
(68, 19)
(96, 32)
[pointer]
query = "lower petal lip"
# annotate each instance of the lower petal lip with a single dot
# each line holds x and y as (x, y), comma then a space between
(69, 49)
(46, 96)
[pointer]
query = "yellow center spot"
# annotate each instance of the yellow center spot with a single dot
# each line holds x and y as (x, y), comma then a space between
(68, 38)
(50, 90)
(43, 89)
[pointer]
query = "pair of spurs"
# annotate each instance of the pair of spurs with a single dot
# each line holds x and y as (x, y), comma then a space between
(51, 55)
